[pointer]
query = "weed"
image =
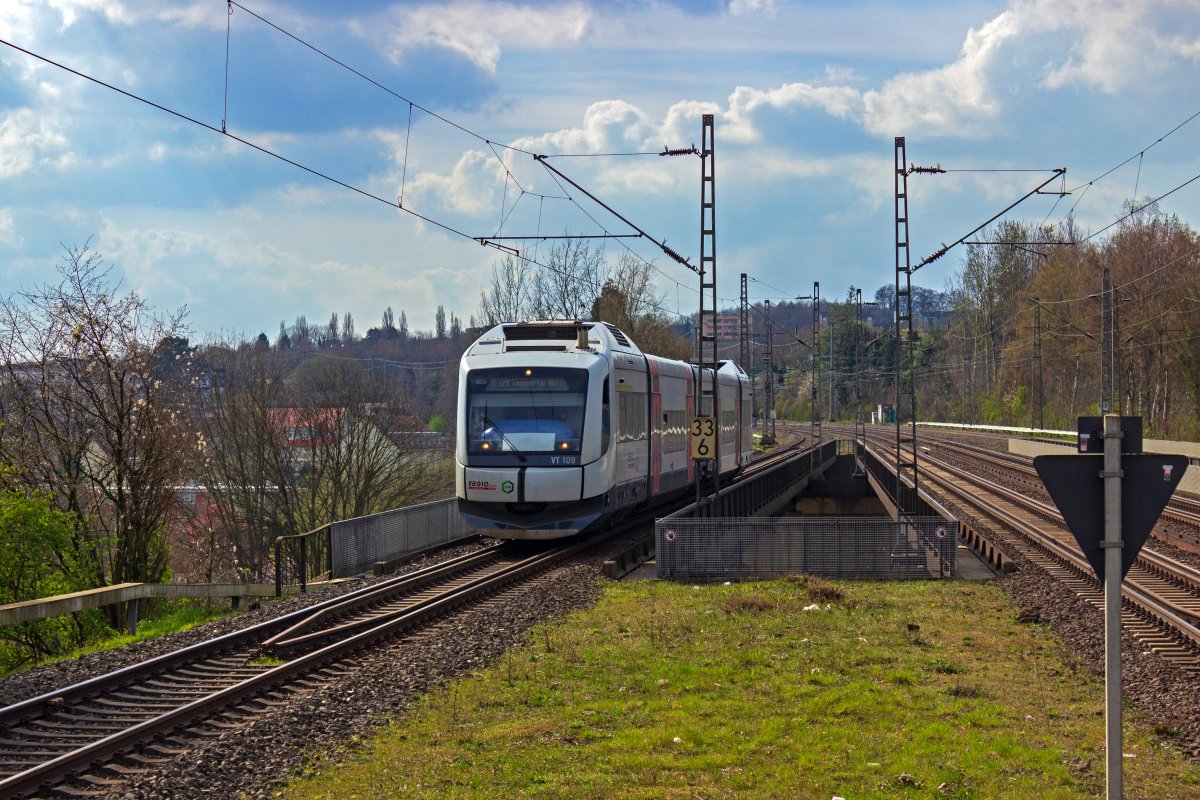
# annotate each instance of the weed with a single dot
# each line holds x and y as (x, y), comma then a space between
(823, 592)
(947, 668)
(749, 604)
(266, 661)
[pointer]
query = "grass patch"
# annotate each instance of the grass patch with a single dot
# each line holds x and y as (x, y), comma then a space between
(666, 691)
(167, 617)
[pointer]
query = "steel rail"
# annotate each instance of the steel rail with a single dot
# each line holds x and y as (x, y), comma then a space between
(1173, 617)
(46, 774)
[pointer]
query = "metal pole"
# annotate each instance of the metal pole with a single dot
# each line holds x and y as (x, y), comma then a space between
(707, 343)
(1113, 743)
(831, 373)
(1106, 365)
(1038, 421)
(279, 566)
(769, 410)
(814, 424)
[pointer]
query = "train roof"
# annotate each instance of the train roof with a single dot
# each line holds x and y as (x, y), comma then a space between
(553, 336)
(562, 336)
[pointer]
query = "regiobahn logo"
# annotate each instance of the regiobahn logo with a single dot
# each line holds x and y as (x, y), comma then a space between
(487, 486)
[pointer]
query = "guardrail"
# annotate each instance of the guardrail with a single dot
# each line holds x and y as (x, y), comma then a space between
(756, 495)
(354, 546)
(47, 607)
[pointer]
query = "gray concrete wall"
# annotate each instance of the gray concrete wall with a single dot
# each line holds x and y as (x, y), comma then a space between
(1191, 478)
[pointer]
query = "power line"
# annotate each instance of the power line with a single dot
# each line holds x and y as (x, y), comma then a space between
(374, 82)
(1138, 154)
(260, 148)
(1119, 220)
(291, 162)
(945, 248)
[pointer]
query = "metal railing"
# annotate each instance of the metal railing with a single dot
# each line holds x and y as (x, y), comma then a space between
(884, 473)
(707, 549)
(756, 494)
(729, 541)
(352, 546)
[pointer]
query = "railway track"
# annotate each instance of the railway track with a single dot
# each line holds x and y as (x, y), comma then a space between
(86, 739)
(91, 738)
(1178, 526)
(1161, 596)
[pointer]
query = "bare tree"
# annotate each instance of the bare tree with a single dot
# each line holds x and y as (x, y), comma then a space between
(348, 334)
(97, 415)
(439, 322)
(302, 332)
(247, 470)
(509, 295)
(630, 301)
(332, 336)
(570, 282)
(362, 455)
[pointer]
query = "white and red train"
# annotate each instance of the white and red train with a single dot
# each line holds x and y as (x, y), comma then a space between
(563, 424)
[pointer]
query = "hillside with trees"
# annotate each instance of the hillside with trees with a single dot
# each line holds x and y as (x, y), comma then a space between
(1025, 310)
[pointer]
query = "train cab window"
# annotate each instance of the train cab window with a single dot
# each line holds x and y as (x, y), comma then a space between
(526, 410)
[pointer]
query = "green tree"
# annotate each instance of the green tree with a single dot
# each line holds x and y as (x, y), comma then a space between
(35, 543)
(93, 416)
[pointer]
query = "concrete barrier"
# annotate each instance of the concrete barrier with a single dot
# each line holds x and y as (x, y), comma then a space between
(1191, 478)
(47, 607)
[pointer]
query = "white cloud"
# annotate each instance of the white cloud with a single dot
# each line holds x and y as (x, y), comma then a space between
(8, 230)
(742, 7)
(1117, 43)
(27, 140)
(469, 188)
(478, 30)
(608, 125)
(114, 11)
(839, 102)
(1105, 45)
(956, 99)
(188, 14)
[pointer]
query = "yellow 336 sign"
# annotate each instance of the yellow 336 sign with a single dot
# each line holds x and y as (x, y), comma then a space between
(703, 438)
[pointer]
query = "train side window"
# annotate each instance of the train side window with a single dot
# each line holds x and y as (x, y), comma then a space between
(605, 429)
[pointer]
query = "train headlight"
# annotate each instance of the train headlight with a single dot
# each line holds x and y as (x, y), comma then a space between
(485, 446)
(528, 372)
(564, 446)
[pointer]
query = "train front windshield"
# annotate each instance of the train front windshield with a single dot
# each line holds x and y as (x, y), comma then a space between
(526, 410)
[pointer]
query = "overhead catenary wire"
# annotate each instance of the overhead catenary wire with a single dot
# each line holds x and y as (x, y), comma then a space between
(1059, 172)
(492, 144)
(276, 155)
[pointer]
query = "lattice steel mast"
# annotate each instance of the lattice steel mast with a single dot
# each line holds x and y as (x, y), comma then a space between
(744, 341)
(1039, 420)
(814, 425)
(708, 398)
(904, 353)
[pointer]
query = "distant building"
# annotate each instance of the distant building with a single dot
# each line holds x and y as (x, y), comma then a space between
(728, 327)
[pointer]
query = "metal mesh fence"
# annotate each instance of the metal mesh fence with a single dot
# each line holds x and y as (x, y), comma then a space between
(359, 543)
(708, 549)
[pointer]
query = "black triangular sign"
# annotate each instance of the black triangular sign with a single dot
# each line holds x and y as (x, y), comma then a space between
(1075, 484)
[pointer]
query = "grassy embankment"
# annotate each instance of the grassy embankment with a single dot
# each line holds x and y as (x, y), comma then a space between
(922, 690)
(167, 617)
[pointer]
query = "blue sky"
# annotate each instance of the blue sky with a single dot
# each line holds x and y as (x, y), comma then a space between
(807, 97)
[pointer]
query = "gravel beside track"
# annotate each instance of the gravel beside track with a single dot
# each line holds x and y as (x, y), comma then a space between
(1159, 689)
(39, 680)
(256, 759)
